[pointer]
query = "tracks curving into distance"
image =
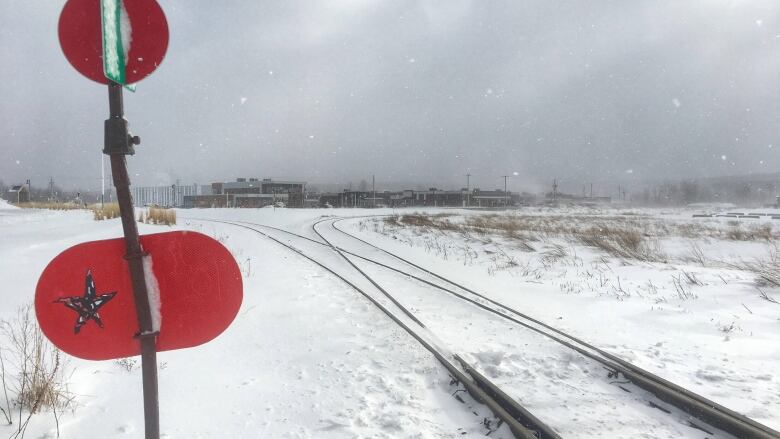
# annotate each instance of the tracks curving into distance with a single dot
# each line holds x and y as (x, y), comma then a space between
(520, 421)
(696, 405)
(709, 413)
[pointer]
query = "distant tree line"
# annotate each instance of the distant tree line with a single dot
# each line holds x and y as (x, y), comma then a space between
(737, 191)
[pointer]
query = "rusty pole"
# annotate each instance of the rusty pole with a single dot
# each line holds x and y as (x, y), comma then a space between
(118, 144)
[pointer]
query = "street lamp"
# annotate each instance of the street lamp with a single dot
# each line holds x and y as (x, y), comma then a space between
(468, 194)
(505, 200)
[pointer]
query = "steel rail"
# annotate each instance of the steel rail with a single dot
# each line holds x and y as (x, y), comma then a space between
(376, 285)
(476, 387)
(694, 404)
(507, 403)
(698, 406)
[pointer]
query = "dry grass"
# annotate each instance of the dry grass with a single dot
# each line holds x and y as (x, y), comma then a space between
(621, 242)
(32, 371)
(766, 270)
(696, 255)
(753, 232)
(157, 215)
(107, 211)
(418, 221)
(50, 205)
(622, 237)
(438, 221)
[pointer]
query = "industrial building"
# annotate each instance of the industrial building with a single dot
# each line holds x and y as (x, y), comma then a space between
(250, 192)
(18, 194)
(166, 196)
(432, 197)
(256, 193)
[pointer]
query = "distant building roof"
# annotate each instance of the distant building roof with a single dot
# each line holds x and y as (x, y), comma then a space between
(259, 195)
(253, 182)
(269, 180)
(240, 184)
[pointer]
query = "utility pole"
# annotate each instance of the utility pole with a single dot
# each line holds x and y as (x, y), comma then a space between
(555, 190)
(505, 201)
(51, 189)
(468, 191)
(373, 189)
(591, 191)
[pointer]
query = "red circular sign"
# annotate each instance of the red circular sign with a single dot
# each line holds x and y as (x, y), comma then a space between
(82, 42)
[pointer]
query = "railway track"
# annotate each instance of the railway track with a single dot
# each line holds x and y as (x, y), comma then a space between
(705, 415)
(696, 405)
(520, 421)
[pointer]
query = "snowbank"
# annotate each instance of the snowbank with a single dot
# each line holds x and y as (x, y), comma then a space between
(5, 205)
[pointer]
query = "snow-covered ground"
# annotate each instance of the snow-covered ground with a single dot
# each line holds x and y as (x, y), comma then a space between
(309, 357)
(712, 333)
(305, 358)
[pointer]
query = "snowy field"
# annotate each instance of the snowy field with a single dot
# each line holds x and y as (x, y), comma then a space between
(684, 302)
(309, 357)
(689, 305)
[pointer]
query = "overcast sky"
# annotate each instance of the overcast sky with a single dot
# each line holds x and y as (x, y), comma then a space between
(412, 91)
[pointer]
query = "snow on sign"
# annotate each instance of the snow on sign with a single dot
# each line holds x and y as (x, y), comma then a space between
(121, 41)
(85, 305)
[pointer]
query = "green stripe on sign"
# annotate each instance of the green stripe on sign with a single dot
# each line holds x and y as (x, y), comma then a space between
(113, 50)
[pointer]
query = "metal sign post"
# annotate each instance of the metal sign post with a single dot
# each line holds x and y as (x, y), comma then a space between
(118, 144)
(119, 43)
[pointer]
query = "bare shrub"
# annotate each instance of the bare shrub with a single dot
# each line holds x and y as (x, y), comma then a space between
(735, 233)
(683, 288)
(766, 270)
(619, 236)
(623, 236)
(762, 294)
(553, 254)
(158, 215)
(620, 242)
(392, 220)
(7, 409)
(692, 279)
(170, 217)
(417, 220)
(573, 224)
(753, 232)
(696, 254)
(691, 230)
(32, 369)
(762, 232)
(105, 212)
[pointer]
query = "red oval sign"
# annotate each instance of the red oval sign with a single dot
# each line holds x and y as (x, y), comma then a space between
(82, 42)
(85, 304)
